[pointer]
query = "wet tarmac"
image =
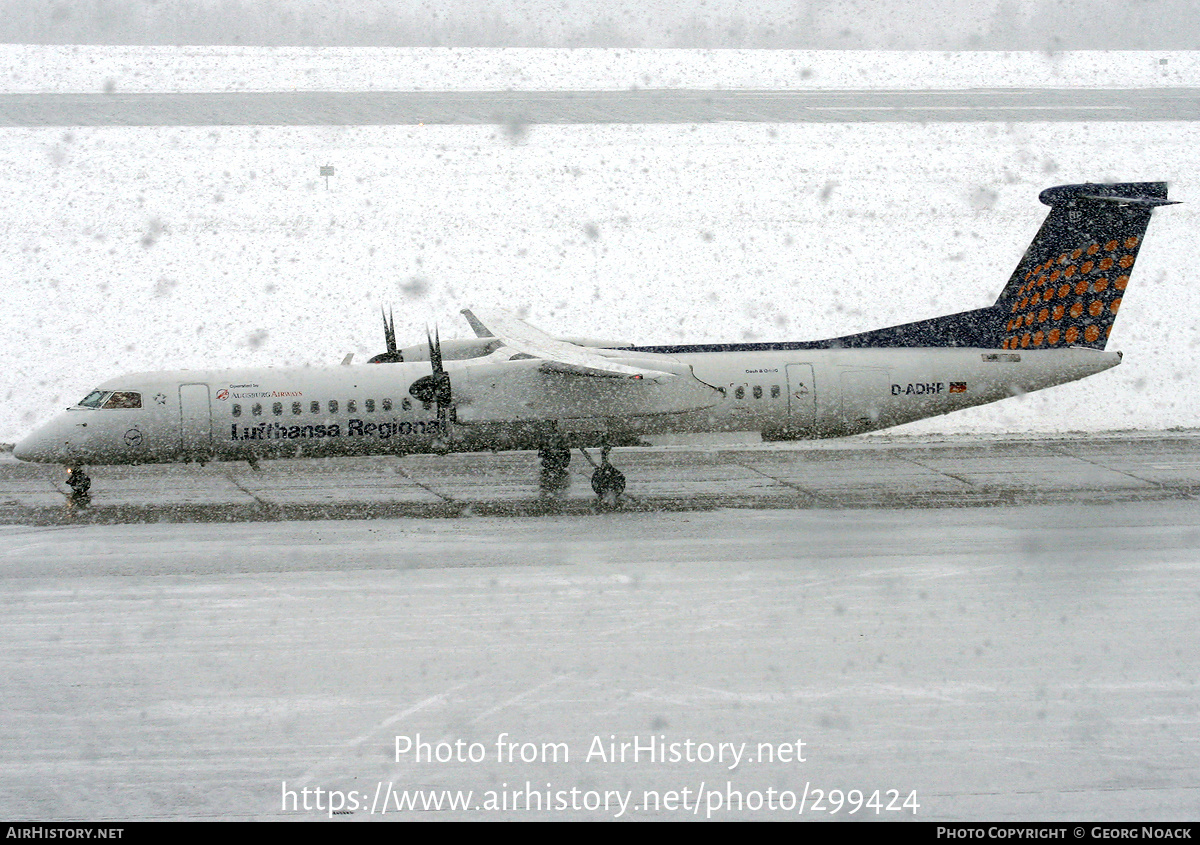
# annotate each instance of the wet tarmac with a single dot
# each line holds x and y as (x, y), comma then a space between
(360, 108)
(971, 630)
(858, 473)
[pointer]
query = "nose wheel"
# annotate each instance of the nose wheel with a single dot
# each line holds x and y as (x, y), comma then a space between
(80, 484)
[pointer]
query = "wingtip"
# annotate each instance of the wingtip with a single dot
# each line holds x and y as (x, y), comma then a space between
(476, 324)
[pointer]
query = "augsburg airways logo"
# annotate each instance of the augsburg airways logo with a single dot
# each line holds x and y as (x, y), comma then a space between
(224, 394)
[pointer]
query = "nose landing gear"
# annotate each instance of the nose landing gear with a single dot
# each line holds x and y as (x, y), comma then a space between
(80, 484)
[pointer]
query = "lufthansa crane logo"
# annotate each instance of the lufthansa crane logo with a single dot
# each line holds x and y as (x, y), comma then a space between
(133, 438)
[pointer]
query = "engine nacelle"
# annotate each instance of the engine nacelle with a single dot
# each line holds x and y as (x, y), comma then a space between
(479, 347)
(454, 350)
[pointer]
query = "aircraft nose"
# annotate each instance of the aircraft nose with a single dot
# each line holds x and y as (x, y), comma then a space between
(48, 444)
(24, 449)
(30, 448)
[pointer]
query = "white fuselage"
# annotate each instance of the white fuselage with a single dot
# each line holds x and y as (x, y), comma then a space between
(361, 410)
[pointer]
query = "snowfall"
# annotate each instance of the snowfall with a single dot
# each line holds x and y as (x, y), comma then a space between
(999, 663)
(135, 249)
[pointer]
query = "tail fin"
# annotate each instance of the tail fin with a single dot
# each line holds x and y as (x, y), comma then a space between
(1068, 287)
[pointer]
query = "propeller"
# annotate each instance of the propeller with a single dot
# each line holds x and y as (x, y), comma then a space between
(393, 355)
(435, 388)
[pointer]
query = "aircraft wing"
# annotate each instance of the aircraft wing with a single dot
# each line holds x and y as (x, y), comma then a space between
(479, 328)
(558, 355)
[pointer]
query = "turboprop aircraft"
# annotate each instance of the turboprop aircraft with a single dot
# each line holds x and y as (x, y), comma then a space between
(515, 387)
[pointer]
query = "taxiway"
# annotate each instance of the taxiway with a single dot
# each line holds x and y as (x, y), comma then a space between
(899, 472)
(363, 108)
(1028, 656)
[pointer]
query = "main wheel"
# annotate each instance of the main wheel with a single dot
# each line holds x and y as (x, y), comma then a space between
(555, 478)
(607, 480)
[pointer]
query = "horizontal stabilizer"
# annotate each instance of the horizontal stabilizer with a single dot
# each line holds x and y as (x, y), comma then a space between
(1132, 193)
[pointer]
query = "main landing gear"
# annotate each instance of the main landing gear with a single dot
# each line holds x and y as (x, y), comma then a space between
(80, 484)
(608, 482)
(554, 481)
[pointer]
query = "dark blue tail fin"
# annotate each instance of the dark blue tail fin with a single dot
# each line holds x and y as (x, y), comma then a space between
(1066, 290)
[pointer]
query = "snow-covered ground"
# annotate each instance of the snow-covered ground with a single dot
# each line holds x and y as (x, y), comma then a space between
(130, 249)
(46, 68)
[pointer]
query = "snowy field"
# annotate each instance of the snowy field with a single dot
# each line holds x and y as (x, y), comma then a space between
(83, 68)
(129, 249)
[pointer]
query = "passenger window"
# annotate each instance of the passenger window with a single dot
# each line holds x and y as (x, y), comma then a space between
(351, 406)
(740, 393)
(774, 391)
(333, 406)
(314, 407)
(296, 409)
(387, 404)
(277, 409)
(370, 405)
(256, 410)
(237, 410)
(124, 399)
(757, 391)
(406, 404)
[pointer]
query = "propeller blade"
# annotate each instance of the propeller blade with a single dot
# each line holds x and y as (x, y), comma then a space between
(435, 388)
(435, 350)
(389, 331)
(393, 354)
(442, 393)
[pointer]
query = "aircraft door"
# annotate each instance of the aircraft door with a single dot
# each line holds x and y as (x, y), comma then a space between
(195, 420)
(802, 397)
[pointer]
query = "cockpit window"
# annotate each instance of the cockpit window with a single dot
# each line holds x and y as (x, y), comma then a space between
(93, 399)
(124, 399)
